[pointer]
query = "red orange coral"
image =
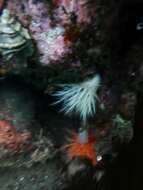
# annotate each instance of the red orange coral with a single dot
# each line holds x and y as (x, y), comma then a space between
(9, 138)
(77, 149)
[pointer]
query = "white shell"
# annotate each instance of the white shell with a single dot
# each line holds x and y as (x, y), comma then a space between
(13, 37)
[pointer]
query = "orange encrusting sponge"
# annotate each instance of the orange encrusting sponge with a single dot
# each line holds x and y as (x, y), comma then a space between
(77, 149)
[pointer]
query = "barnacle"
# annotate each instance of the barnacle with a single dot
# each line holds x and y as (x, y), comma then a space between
(13, 37)
(77, 149)
(79, 98)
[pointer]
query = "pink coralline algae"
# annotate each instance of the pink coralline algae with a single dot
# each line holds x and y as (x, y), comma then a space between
(82, 9)
(47, 24)
(52, 45)
(48, 35)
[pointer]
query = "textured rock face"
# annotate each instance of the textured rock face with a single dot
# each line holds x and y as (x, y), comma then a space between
(13, 106)
(72, 34)
(71, 45)
(44, 19)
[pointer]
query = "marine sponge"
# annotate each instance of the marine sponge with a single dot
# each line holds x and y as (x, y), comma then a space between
(79, 98)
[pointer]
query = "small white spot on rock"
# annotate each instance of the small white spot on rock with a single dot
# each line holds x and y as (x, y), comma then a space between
(99, 158)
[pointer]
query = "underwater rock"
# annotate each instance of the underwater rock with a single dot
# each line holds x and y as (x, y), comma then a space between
(44, 18)
(10, 140)
(51, 44)
(48, 36)
(43, 149)
(82, 10)
(17, 103)
(13, 37)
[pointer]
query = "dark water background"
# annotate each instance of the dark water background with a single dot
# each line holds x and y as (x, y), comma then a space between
(127, 172)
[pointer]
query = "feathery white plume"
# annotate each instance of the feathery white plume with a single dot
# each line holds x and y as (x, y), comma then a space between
(79, 98)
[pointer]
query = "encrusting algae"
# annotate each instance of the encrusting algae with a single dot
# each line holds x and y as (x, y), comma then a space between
(10, 139)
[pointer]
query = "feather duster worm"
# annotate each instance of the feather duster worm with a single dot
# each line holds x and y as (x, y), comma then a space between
(79, 98)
